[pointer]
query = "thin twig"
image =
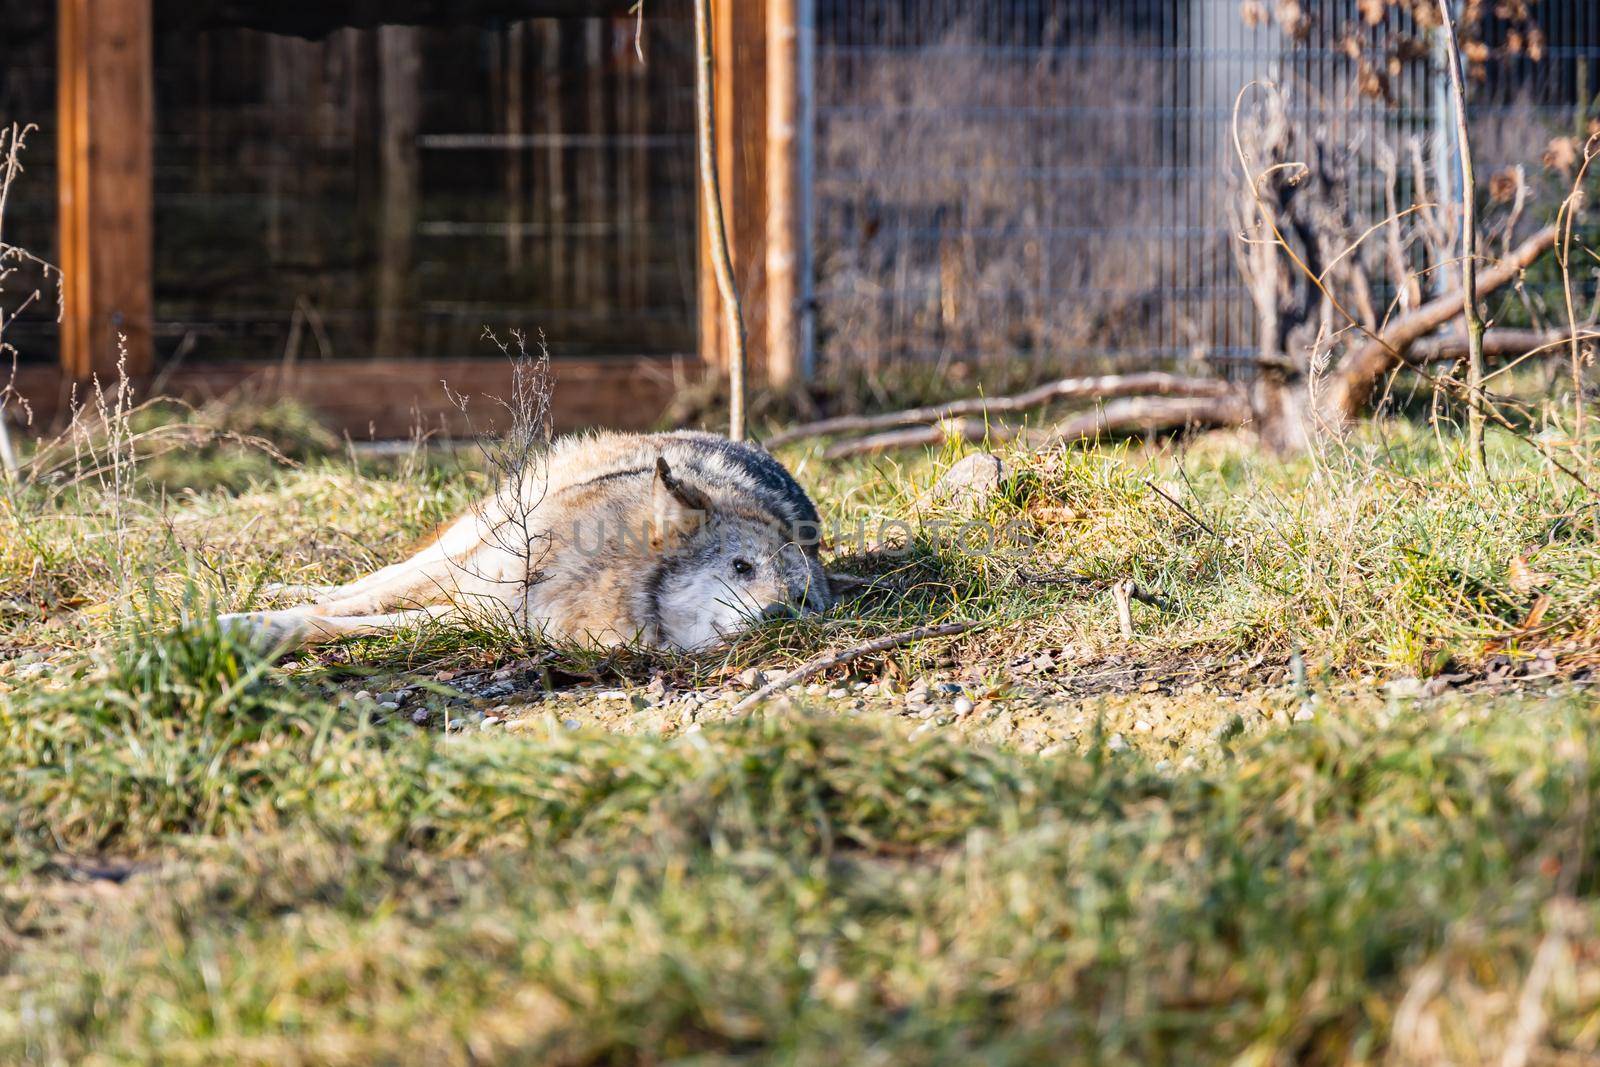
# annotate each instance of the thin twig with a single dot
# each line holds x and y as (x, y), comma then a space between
(830, 660)
(1169, 498)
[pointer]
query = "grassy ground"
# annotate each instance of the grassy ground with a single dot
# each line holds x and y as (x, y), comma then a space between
(1330, 803)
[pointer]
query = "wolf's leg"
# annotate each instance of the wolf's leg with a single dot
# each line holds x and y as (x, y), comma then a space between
(467, 559)
(289, 630)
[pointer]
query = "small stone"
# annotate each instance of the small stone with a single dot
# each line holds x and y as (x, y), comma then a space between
(388, 705)
(396, 698)
(490, 721)
(950, 689)
(420, 716)
(1150, 687)
(1404, 688)
(815, 690)
(963, 706)
(1117, 743)
(1142, 727)
(972, 480)
(1304, 713)
(30, 670)
(837, 694)
(612, 694)
(362, 694)
(571, 724)
(752, 678)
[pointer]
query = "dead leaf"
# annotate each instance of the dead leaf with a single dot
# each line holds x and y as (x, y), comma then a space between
(1523, 578)
(1536, 614)
(1503, 186)
(1562, 155)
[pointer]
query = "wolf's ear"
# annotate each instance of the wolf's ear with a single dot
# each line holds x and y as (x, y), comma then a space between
(679, 508)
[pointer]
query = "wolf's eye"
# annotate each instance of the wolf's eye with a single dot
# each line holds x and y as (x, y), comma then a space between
(742, 566)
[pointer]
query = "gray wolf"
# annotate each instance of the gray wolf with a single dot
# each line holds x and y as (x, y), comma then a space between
(668, 541)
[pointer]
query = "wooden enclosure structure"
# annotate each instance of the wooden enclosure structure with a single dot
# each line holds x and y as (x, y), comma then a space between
(107, 104)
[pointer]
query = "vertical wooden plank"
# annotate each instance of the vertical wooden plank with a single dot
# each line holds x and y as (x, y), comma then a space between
(739, 45)
(400, 100)
(748, 154)
(783, 217)
(105, 91)
(514, 81)
(558, 281)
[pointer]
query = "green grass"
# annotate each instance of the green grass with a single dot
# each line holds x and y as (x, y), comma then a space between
(207, 857)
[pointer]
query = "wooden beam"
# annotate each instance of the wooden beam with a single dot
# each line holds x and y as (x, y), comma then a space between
(391, 398)
(105, 113)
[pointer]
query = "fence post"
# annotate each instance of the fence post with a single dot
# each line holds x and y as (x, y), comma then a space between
(789, 23)
(105, 114)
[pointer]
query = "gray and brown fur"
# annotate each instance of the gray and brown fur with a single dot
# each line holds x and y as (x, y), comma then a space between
(665, 540)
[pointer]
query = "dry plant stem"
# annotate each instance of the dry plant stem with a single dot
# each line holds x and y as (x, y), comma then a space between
(1566, 221)
(711, 199)
(1103, 387)
(828, 661)
(1469, 249)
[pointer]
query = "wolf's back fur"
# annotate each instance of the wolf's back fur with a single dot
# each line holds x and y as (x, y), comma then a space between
(669, 540)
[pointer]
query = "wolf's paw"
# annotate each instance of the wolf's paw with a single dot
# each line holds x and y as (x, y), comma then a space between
(266, 631)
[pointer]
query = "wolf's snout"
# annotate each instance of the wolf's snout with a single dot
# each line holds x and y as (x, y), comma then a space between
(779, 611)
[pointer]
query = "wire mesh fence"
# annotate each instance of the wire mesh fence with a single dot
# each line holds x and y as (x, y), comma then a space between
(1057, 181)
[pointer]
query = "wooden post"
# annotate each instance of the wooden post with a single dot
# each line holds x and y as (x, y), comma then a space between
(783, 208)
(739, 44)
(105, 88)
(399, 72)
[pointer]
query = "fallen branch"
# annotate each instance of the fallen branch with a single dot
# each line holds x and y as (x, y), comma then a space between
(1131, 415)
(1103, 387)
(1349, 388)
(1497, 344)
(1147, 415)
(830, 660)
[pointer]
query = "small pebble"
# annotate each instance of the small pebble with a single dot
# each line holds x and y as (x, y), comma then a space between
(571, 724)
(963, 706)
(490, 721)
(30, 670)
(420, 716)
(362, 694)
(396, 698)
(752, 678)
(837, 694)
(1404, 688)
(388, 705)
(612, 694)
(1142, 727)
(950, 689)
(1117, 743)
(1304, 714)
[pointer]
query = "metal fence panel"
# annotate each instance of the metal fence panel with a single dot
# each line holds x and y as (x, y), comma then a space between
(1056, 181)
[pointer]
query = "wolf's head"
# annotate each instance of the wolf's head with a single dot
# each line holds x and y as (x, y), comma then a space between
(724, 567)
